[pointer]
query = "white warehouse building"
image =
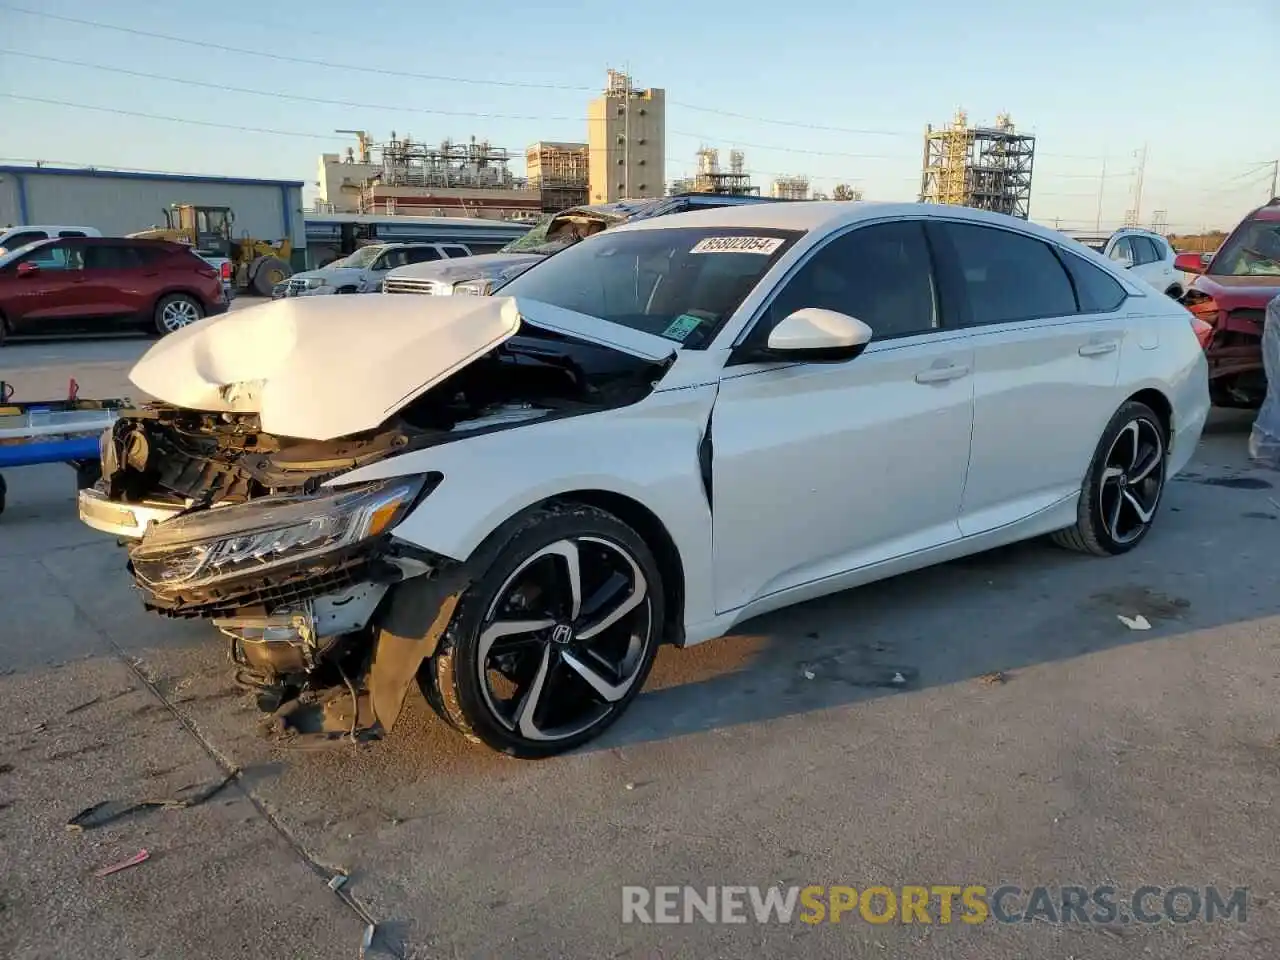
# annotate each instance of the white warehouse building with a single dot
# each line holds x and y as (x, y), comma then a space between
(118, 202)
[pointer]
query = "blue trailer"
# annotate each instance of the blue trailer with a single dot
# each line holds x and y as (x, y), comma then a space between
(54, 431)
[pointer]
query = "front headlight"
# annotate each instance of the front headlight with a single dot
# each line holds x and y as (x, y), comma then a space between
(222, 542)
(475, 288)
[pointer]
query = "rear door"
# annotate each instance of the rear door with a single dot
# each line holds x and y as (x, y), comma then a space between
(1045, 368)
(118, 284)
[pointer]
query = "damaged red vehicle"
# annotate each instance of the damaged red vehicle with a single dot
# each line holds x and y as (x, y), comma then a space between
(1231, 294)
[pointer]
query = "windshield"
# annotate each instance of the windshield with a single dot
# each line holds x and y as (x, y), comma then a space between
(14, 254)
(1252, 251)
(679, 283)
(361, 258)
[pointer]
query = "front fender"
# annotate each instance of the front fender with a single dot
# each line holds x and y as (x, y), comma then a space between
(647, 452)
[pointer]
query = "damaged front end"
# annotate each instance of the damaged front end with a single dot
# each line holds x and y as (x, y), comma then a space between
(255, 532)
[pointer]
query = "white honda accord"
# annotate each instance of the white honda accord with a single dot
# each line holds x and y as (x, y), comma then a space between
(647, 438)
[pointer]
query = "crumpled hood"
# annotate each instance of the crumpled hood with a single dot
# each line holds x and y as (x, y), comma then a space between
(1233, 293)
(318, 368)
(486, 266)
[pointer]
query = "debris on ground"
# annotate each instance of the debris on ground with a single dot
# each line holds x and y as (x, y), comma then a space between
(366, 941)
(133, 861)
(1134, 623)
(336, 882)
(6, 767)
(108, 811)
(994, 677)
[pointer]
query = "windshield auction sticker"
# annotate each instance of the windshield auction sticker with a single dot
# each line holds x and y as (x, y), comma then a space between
(762, 245)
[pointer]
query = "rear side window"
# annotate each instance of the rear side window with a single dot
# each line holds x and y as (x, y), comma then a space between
(110, 257)
(1098, 292)
(1008, 277)
(422, 255)
(452, 251)
(71, 233)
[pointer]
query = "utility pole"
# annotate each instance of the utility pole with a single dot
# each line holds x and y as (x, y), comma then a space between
(1275, 179)
(1102, 186)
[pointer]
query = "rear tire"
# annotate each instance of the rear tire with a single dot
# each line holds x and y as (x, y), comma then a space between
(1123, 487)
(175, 311)
(559, 680)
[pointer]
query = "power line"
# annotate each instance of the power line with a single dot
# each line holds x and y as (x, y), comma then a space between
(286, 58)
(154, 116)
(516, 84)
(227, 88)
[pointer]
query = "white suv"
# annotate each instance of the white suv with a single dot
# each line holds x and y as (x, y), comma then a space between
(1147, 254)
(362, 271)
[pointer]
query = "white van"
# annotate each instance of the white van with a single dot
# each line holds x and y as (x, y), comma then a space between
(11, 238)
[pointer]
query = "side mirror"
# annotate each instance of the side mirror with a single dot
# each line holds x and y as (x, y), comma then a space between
(28, 269)
(811, 335)
(1190, 262)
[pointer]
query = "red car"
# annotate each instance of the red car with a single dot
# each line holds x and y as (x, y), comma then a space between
(1231, 294)
(97, 284)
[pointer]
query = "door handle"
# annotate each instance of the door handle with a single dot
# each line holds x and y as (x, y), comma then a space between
(1098, 349)
(941, 374)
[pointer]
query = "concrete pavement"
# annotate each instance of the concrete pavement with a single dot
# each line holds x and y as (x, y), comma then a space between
(1041, 742)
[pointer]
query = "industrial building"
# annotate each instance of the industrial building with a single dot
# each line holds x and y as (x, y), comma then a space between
(790, 188)
(710, 178)
(560, 172)
(119, 202)
(452, 178)
(627, 141)
(984, 167)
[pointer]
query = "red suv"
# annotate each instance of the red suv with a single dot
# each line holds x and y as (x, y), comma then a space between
(96, 284)
(1231, 294)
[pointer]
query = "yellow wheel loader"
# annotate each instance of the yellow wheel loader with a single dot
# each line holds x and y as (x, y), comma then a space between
(258, 265)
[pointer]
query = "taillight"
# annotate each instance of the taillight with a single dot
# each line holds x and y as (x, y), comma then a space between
(226, 270)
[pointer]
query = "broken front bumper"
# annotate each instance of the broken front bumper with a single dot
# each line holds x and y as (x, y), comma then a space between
(128, 521)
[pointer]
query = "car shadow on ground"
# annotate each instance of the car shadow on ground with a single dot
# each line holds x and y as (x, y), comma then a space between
(982, 618)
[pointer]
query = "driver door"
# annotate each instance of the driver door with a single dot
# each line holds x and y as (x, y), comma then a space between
(824, 468)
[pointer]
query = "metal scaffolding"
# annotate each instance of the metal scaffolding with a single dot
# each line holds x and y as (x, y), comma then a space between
(477, 165)
(984, 167)
(711, 179)
(790, 188)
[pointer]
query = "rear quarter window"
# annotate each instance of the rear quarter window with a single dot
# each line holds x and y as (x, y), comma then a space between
(1096, 291)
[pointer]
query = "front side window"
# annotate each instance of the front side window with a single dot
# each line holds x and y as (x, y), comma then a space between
(681, 283)
(1253, 250)
(55, 256)
(421, 255)
(880, 274)
(1009, 277)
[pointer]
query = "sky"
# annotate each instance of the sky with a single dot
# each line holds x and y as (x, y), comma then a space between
(838, 91)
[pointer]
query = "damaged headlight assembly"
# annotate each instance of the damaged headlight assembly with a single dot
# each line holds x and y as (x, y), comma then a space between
(243, 539)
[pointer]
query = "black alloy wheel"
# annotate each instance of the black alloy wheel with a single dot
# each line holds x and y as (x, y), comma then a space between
(556, 639)
(1124, 485)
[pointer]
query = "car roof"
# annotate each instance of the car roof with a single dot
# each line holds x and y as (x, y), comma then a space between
(824, 215)
(1268, 211)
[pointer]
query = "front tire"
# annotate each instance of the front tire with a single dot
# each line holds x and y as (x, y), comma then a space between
(1124, 485)
(552, 643)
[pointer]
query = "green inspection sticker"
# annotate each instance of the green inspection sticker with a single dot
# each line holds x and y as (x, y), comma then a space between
(682, 326)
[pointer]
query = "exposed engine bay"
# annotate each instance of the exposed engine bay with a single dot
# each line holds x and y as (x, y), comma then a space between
(236, 526)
